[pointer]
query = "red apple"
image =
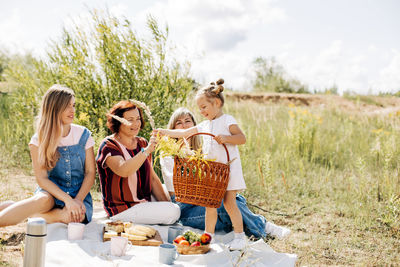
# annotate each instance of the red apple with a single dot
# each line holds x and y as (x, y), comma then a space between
(195, 244)
(184, 243)
(205, 238)
(179, 238)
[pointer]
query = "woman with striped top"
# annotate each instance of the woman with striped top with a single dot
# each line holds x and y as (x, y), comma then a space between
(127, 178)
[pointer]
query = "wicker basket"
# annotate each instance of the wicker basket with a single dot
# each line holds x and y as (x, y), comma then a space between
(207, 191)
(188, 250)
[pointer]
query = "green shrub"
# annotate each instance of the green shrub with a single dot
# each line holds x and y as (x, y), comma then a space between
(103, 63)
(271, 77)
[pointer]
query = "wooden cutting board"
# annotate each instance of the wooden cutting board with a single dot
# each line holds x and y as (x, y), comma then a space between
(154, 241)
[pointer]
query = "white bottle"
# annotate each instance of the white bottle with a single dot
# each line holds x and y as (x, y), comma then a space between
(35, 243)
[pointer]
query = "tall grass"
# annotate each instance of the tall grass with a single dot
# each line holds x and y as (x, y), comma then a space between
(14, 136)
(293, 155)
(296, 155)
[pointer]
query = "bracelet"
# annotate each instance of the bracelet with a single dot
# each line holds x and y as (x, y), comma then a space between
(144, 152)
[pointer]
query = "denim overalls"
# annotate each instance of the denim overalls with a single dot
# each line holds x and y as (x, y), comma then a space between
(69, 172)
(194, 216)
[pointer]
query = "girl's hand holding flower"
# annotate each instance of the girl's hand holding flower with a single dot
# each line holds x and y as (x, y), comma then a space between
(159, 132)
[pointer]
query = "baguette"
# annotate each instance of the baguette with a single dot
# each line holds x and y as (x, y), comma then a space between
(135, 231)
(133, 237)
(150, 232)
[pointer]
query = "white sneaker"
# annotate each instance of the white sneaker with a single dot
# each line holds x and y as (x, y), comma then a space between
(237, 244)
(277, 231)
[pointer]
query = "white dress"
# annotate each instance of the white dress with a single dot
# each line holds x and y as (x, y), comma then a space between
(220, 126)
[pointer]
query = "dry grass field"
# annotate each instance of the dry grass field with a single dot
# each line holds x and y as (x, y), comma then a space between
(335, 188)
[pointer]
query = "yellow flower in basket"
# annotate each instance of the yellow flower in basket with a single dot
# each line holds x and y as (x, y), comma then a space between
(170, 147)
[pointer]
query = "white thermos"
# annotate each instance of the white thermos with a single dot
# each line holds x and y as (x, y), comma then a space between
(35, 243)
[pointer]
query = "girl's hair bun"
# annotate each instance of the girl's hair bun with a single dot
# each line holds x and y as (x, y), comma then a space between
(214, 90)
(219, 88)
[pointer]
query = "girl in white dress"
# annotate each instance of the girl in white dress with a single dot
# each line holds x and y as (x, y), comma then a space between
(210, 101)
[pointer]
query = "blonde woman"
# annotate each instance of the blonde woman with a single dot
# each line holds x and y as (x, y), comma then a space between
(63, 162)
(194, 216)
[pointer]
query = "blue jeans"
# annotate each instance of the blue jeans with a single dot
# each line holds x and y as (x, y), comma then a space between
(194, 216)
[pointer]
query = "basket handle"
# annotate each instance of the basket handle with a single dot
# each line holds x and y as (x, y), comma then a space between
(226, 150)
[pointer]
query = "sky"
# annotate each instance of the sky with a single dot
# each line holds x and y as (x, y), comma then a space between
(351, 44)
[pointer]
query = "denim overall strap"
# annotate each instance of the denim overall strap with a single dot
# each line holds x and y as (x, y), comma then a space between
(84, 137)
(82, 151)
(69, 171)
(78, 156)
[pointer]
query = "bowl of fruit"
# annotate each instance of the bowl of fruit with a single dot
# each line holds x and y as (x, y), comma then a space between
(192, 243)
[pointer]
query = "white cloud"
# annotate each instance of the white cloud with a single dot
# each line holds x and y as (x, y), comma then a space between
(211, 34)
(118, 10)
(389, 76)
(222, 38)
(217, 65)
(214, 25)
(362, 70)
(11, 31)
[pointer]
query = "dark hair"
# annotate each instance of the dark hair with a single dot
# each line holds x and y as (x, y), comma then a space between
(214, 90)
(119, 109)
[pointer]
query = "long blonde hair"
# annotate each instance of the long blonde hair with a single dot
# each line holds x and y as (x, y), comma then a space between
(49, 126)
(195, 142)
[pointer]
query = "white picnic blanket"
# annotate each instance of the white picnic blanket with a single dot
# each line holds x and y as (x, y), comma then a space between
(91, 251)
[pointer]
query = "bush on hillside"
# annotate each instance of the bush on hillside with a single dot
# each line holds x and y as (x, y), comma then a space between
(271, 77)
(103, 63)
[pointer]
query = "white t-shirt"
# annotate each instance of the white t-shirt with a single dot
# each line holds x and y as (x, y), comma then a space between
(220, 126)
(71, 139)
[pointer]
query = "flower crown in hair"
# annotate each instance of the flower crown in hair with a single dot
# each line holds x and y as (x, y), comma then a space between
(121, 120)
(138, 104)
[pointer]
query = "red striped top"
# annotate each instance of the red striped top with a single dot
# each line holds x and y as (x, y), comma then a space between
(117, 196)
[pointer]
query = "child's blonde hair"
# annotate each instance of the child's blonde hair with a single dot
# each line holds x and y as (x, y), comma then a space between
(195, 142)
(213, 91)
(49, 126)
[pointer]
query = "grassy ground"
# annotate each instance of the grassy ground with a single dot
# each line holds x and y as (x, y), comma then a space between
(18, 184)
(329, 174)
(321, 235)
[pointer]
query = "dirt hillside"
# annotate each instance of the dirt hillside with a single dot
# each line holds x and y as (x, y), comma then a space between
(360, 103)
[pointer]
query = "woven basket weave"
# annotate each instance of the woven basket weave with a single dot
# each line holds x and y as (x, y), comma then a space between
(207, 190)
(187, 250)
